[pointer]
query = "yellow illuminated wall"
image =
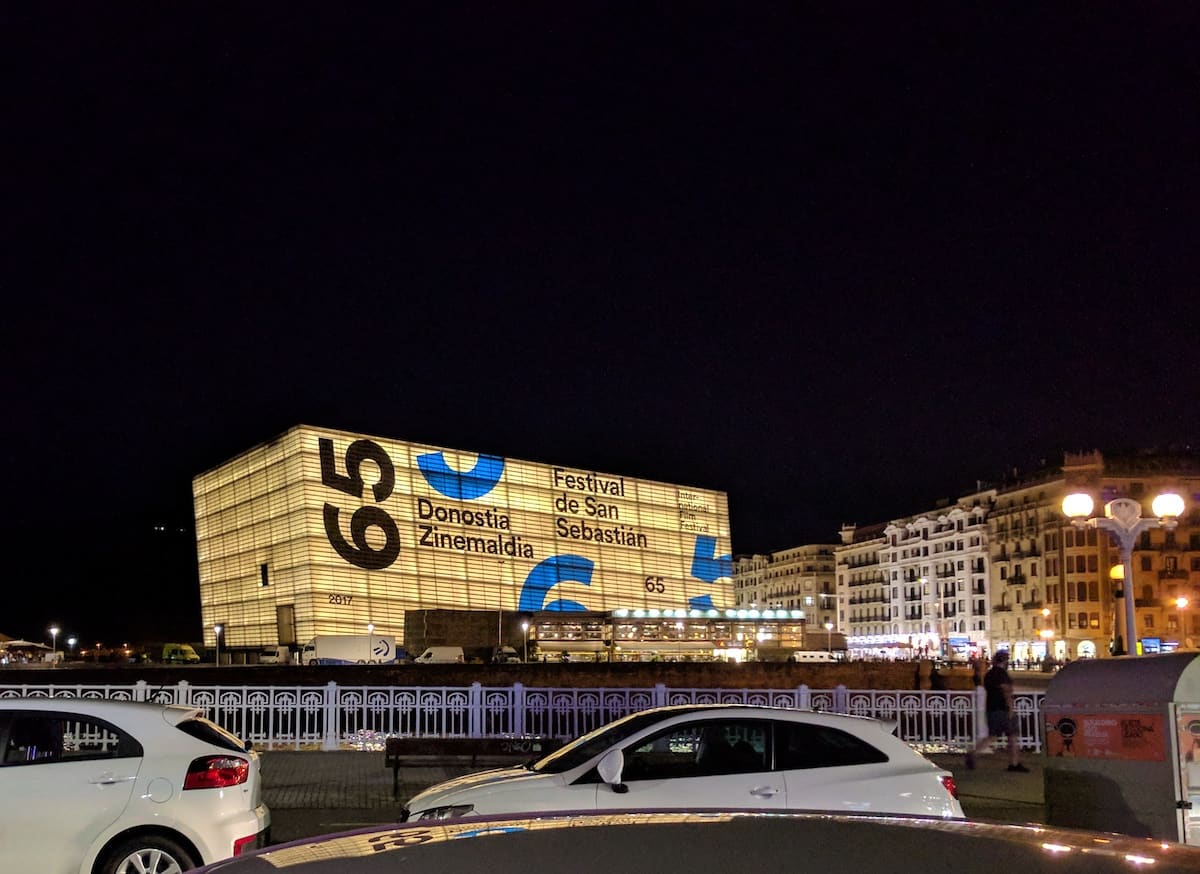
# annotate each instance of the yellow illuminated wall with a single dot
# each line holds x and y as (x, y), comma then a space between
(354, 529)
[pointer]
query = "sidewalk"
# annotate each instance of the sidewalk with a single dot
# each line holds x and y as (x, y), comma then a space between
(316, 792)
(991, 791)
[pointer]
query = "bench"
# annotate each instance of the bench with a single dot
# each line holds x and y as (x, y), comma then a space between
(398, 749)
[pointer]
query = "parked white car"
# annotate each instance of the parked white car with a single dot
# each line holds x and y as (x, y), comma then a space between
(711, 756)
(93, 786)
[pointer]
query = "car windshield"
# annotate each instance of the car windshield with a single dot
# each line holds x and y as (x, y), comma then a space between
(582, 749)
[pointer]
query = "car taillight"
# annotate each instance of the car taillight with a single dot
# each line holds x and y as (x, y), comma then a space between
(216, 772)
(248, 843)
(951, 786)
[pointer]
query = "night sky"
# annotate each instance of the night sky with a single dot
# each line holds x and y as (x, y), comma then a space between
(839, 261)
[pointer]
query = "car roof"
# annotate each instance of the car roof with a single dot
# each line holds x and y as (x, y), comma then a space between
(106, 708)
(711, 842)
(762, 711)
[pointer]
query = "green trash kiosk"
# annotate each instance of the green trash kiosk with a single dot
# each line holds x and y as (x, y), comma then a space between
(1122, 746)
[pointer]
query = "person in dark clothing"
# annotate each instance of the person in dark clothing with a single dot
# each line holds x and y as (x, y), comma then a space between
(998, 687)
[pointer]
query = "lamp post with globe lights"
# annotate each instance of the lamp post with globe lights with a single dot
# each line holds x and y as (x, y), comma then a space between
(53, 629)
(217, 629)
(1124, 521)
(525, 635)
(829, 633)
(370, 641)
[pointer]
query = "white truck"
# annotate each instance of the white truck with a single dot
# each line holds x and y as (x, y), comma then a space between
(349, 649)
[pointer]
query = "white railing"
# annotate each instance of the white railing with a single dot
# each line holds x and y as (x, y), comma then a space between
(332, 716)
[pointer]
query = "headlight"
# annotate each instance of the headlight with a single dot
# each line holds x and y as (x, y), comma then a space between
(450, 811)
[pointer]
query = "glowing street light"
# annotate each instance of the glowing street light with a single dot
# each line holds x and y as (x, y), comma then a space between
(1123, 520)
(370, 642)
(829, 631)
(217, 629)
(1181, 604)
(525, 634)
(53, 629)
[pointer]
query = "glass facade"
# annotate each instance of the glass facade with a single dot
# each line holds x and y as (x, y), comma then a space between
(323, 532)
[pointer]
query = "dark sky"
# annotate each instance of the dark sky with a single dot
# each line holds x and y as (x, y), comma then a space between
(837, 260)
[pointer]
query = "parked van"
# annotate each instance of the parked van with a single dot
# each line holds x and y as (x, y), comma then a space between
(180, 652)
(441, 655)
(505, 655)
(275, 655)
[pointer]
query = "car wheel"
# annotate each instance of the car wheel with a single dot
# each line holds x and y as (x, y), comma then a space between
(152, 854)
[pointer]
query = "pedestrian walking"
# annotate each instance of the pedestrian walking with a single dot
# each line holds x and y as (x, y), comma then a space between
(1001, 721)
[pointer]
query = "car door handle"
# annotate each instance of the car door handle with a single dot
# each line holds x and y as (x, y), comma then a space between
(110, 779)
(764, 791)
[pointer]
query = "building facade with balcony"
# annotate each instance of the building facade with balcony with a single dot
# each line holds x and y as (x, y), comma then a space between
(800, 580)
(864, 596)
(1165, 562)
(937, 565)
(1029, 580)
(1054, 589)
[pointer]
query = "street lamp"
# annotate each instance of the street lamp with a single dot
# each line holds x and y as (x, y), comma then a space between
(1047, 636)
(1181, 604)
(525, 634)
(370, 642)
(53, 629)
(71, 641)
(1123, 520)
(217, 629)
(829, 631)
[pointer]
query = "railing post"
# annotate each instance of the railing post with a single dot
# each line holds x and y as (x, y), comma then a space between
(979, 729)
(329, 738)
(141, 691)
(660, 695)
(841, 699)
(803, 698)
(183, 693)
(517, 703)
(475, 710)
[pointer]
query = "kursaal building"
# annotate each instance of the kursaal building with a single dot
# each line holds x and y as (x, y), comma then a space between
(325, 532)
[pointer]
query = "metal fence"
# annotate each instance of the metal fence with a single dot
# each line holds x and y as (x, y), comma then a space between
(336, 717)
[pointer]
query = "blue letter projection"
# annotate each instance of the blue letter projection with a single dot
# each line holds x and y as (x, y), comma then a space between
(474, 483)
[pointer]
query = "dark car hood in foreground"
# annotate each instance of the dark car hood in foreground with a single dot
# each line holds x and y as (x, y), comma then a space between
(717, 842)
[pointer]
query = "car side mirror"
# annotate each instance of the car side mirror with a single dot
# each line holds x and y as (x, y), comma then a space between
(610, 767)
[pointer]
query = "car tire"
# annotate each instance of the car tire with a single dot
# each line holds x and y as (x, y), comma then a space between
(150, 854)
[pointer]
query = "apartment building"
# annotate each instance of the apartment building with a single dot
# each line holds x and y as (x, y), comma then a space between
(936, 564)
(864, 595)
(1005, 569)
(1042, 605)
(1165, 584)
(801, 578)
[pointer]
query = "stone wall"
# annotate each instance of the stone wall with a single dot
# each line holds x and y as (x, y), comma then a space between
(680, 675)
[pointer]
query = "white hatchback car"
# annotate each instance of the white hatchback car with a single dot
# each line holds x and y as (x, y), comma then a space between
(92, 786)
(711, 756)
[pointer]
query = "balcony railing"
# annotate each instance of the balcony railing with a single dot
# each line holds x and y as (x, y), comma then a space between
(333, 717)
